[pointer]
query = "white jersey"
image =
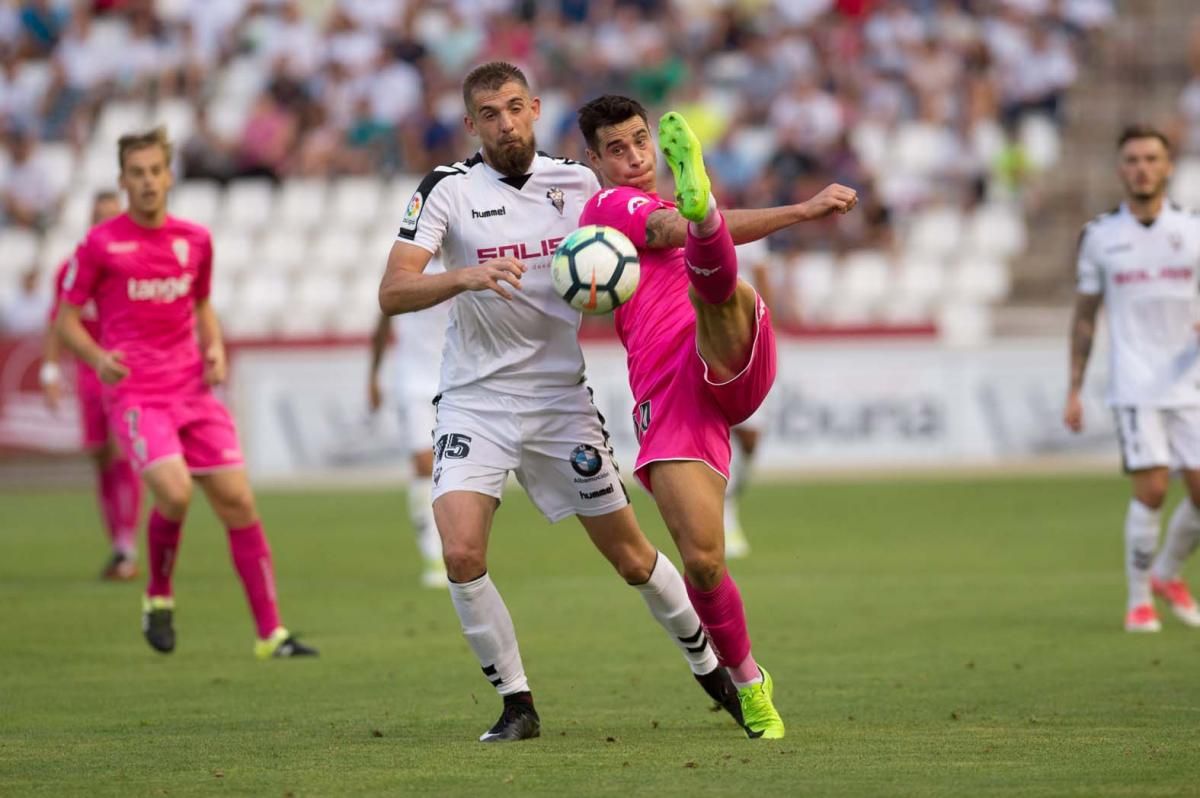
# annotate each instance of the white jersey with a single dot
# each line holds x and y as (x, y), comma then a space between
(472, 213)
(1148, 276)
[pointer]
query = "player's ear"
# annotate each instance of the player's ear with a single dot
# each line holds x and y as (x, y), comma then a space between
(535, 105)
(593, 158)
(469, 124)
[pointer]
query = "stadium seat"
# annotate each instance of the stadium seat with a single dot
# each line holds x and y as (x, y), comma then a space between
(227, 117)
(233, 251)
(1039, 138)
(359, 310)
(196, 200)
(18, 250)
(118, 118)
(355, 201)
(919, 280)
(178, 116)
(301, 203)
(870, 143)
(335, 249)
(986, 141)
(313, 304)
(223, 294)
(59, 161)
(935, 231)
(919, 149)
(249, 203)
(964, 324)
(864, 279)
(1185, 184)
(261, 299)
(57, 246)
(996, 230)
(241, 81)
(283, 250)
(812, 277)
(76, 214)
(99, 169)
(980, 280)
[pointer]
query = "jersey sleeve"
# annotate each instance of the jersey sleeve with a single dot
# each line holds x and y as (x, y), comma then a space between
(203, 285)
(1089, 273)
(427, 216)
(625, 208)
(82, 273)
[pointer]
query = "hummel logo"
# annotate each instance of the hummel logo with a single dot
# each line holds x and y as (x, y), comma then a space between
(703, 272)
(488, 213)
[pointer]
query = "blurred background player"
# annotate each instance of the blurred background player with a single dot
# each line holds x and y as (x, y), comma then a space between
(117, 485)
(1142, 260)
(754, 266)
(416, 365)
(701, 353)
(149, 275)
(513, 396)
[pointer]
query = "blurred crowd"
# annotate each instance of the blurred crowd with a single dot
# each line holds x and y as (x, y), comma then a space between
(910, 101)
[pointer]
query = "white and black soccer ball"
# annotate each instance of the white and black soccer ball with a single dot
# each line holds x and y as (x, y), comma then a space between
(595, 269)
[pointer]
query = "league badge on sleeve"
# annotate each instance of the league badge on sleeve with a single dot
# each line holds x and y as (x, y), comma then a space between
(412, 212)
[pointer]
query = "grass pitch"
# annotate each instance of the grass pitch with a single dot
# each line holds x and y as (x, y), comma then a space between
(926, 638)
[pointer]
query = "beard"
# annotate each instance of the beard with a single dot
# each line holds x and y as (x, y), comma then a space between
(512, 160)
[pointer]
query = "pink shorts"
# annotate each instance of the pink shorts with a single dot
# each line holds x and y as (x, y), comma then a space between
(90, 392)
(197, 428)
(688, 417)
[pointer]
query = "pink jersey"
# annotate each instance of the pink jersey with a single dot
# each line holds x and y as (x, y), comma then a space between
(87, 314)
(145, 283)
(659, 319)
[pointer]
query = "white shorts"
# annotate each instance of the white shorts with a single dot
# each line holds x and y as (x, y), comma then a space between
(556, 445)
(1157, 437)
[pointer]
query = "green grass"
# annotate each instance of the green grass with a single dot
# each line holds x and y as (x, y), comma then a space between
(926, 638)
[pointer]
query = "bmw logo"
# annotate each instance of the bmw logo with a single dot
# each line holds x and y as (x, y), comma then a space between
(586, 460)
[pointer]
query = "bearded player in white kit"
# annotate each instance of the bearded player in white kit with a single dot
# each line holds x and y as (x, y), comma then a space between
(512, 394)
(1143, 261)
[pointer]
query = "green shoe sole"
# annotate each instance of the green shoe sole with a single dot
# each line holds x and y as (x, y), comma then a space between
(682, 151)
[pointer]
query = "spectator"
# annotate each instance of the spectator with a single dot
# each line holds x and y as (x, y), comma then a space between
(25, 313)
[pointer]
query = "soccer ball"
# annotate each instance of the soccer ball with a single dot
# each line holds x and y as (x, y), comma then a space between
(595, 269)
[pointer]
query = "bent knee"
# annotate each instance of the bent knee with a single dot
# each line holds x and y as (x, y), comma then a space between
(705, 569)
(464, 563)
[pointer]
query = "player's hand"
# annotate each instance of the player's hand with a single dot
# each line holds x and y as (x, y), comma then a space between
(374, 395)
(492, 275)
(834, 198)
(110, 369)
(50, 378)
(214, 364)
(1073, 413)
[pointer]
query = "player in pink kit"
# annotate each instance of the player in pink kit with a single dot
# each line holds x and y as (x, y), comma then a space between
(117, 484)
(149, 275)
(701, 353)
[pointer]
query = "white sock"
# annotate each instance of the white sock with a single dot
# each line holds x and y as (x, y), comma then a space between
(711, 223)
(666, 596)
(1183, 533)
(1141, 539)
(489, 631)
(420, 512)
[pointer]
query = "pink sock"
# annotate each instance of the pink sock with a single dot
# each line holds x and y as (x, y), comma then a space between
(120, 502)
(724, 619)
(252, 558)
(712, 264)
(163, 539)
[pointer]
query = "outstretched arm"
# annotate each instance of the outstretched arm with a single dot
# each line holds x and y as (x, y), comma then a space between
(665, 228)
(1083, 331)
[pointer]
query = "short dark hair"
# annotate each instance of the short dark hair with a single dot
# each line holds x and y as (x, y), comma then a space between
(143, 140)
(1143, 131)
(104, 195)
(490, 76)
(610, 109)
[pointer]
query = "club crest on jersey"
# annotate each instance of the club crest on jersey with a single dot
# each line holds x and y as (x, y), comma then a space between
(585, 459)
(557, 197)
(412, 212)
(180, 247)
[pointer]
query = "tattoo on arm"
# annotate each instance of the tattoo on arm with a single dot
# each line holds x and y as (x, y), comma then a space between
(1083, 331)
(665, 228)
